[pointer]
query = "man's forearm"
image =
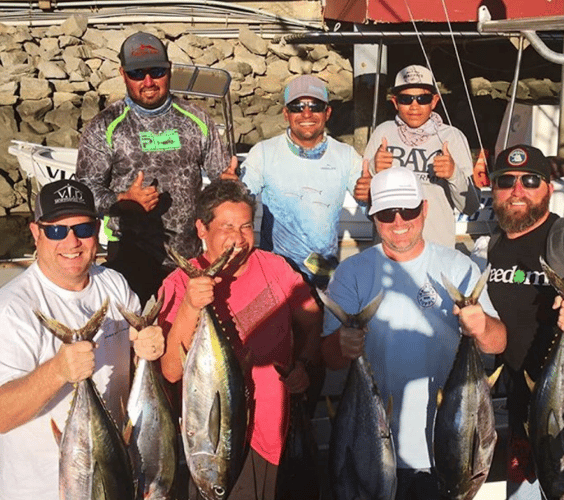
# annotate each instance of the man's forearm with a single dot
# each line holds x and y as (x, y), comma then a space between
(23, 398)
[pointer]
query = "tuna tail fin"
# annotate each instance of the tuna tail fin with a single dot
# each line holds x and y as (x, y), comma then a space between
(335, 308)
(359, 320)
(68, 335)
(492, 379)
(461, 300)
(56, 432)
(88, 331)
(364, 316)
(152, 310)
(62, 332)
(556, 281)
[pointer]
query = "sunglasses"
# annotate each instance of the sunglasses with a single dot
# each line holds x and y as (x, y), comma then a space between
(299, 106)
(528, 181)
(57, 232)
(389, 215)
(406, 99)
(139, 74)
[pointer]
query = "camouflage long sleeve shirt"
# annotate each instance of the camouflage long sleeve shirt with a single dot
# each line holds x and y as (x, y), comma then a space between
(172, 149)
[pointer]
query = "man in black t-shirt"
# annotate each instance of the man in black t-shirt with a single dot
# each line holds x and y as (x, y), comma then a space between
(520, 291)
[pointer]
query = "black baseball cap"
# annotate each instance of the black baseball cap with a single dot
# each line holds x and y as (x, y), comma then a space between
(143, 50)
(65, 197)
(522, 158)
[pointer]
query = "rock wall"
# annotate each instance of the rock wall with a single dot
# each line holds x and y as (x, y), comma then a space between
(54, 80)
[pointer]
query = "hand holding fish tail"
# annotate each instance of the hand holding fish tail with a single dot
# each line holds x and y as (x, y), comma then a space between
(75, 362)
(199, 292)
(351, 341)
(148, 343)
(297, 380)
(559, 304)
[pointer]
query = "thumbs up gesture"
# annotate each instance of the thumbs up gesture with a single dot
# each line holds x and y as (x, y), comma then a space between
(362, 186)
(231, 171)
(146, 197)
(383, 158)
(443, 164)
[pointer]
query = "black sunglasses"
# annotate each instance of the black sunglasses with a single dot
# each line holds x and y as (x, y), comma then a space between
(389, 215)
(58, 232)
(299, 106)
(528, 181)
(139, 74)
(406, 99)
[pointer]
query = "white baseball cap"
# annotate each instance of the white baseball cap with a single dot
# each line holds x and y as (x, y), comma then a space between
(414, 76)
(395, 187)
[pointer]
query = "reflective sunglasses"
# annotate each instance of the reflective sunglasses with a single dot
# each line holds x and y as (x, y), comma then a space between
(139, 74)
(389, 215)
(407, 99)
(58, 232)
(528, 181)
(299, 106)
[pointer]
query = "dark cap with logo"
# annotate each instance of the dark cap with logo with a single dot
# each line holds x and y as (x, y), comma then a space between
(143, 50)
(66, 197)
(522, 158)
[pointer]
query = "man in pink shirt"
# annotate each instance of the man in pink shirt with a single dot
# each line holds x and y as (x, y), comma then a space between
(277, 319)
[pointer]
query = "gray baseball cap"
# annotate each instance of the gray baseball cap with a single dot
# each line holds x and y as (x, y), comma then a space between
(143, 50)
(306, 86)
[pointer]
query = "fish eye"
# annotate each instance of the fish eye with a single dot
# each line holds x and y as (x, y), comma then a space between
(219, 490)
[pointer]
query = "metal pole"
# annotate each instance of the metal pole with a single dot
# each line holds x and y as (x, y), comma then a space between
(514, 90)
(560, 148)
(376, 86)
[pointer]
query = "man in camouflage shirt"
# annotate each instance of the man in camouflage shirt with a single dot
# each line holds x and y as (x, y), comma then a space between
(143, 157)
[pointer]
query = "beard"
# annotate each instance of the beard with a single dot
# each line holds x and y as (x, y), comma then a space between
(512, 222)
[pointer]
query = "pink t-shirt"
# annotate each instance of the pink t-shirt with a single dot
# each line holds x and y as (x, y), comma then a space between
(260, 302)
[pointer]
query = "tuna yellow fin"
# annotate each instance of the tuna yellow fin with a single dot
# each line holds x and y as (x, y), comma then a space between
(439, 397)
(182, 355)
(529, 380)
(56, 432)
(127, 432)
(492, 379)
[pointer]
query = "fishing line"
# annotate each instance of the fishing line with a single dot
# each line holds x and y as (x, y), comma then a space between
(463, 77)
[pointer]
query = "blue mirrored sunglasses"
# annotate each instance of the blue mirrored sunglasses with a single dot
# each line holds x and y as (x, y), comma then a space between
(139, 74)
(314, 106)
(59, 232)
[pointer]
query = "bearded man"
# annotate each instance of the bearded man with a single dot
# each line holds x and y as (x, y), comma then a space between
(520, 291)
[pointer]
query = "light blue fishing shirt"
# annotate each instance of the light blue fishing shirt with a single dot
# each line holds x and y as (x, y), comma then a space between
(413, 338)
(302, 197)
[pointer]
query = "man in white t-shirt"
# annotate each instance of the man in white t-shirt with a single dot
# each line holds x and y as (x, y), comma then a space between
(37, 371)
(412, 339)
